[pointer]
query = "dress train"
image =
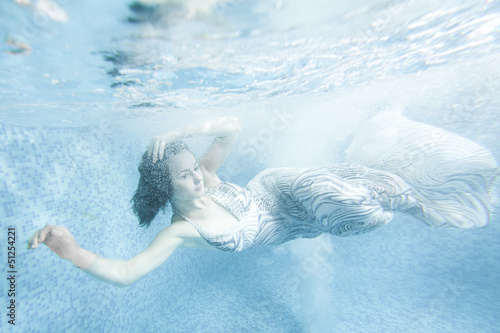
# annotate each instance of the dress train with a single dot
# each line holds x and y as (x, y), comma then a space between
(451, 178)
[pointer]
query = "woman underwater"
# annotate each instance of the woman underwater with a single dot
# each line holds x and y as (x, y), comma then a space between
(393, 164)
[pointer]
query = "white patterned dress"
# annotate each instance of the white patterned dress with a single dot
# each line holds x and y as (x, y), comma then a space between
(395, 164)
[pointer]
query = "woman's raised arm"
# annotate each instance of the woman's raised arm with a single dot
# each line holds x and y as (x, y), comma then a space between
(120, 273)
(225, 131)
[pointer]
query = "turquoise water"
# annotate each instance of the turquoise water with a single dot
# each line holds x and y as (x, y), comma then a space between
(80, 100)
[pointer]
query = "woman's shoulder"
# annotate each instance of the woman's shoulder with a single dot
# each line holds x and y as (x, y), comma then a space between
(185, 230)
(181, 228)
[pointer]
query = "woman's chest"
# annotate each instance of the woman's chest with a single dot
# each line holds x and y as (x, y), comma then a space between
(218, 217)
(231, 209)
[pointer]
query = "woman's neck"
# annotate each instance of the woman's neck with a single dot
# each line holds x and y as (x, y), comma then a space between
(188, 207)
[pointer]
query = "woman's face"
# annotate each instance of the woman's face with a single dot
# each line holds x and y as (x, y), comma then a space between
(187, 179)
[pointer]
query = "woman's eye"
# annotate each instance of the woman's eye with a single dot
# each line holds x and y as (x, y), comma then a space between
(184, 176)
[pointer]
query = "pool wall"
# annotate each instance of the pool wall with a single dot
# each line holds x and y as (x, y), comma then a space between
(403, 277)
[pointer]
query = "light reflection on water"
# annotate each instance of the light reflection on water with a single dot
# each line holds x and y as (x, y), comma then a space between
(140, 61)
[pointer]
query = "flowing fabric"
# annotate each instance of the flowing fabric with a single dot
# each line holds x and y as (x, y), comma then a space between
(394, 164)
(452, 178)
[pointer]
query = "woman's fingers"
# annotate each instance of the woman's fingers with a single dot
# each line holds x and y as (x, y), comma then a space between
(163, 143)
(157, 146)
(35, 239)
(45, 231)
(58, 239)
(155, 151)
(40, 236)
(150, 149)
(33, 242)
(153, 148)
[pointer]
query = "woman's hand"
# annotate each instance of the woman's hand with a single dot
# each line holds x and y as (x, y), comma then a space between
(225, 130)
(158, 144)
(58, 239)
(62, 243)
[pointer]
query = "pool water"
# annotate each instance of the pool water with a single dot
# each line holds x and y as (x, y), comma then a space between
(84, 85)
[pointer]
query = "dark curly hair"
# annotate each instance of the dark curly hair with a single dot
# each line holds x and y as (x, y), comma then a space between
(155, 184)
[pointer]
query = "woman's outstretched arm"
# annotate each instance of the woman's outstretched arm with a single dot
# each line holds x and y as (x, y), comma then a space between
(120, 273)
(225, 132)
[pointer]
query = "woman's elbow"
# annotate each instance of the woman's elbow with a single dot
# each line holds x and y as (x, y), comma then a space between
(120, 282)
(121, 285)
(124, 282)
(129, 274)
